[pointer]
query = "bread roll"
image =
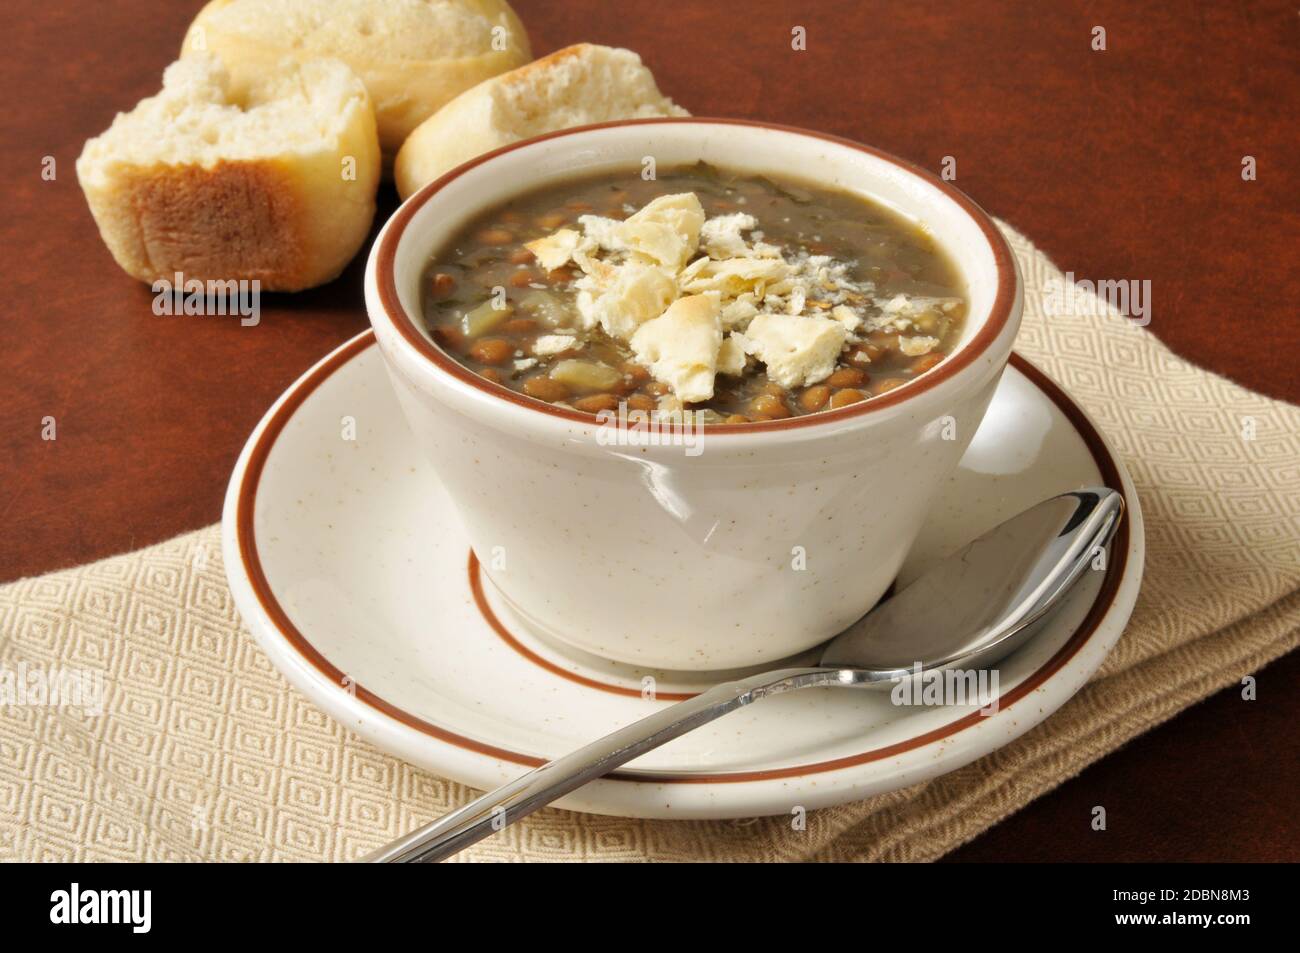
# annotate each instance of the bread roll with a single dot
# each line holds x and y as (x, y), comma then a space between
(277, 186)
(571, 87)
(413, 55)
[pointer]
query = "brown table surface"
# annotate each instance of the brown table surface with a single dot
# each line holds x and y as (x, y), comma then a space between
(1119, 164)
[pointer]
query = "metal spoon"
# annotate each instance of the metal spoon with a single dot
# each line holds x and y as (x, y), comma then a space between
(968, 611)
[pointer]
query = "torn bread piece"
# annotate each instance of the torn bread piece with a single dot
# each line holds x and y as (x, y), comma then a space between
(732, 359)
(555, 250)
(632, 295)
(602, 233)
(720, 237)
(847, 317)
(548, 344)
(666, 230)
(734, 276)
(680, 347)
(738, 312)
(797, 351)
(917, 345)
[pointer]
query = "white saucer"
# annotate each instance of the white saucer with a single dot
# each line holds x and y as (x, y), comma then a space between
(349, 566)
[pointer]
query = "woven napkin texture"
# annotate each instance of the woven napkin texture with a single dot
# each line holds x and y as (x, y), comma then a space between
(204, 752)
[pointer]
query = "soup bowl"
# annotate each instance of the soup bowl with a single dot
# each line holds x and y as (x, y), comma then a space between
(708, 548)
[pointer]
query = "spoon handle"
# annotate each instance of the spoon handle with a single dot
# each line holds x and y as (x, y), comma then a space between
(494, 810)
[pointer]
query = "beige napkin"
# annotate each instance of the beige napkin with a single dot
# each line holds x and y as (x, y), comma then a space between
(203, 752)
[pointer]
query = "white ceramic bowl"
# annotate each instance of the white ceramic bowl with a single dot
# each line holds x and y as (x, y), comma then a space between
(767, 539)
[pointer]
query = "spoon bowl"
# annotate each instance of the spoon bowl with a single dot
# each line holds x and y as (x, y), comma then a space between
(978, 605)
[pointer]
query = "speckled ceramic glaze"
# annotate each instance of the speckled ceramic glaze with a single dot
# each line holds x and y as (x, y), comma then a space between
(348, 563)
(760, 542)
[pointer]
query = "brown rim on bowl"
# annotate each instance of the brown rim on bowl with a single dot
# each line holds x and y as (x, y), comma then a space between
(999, 312)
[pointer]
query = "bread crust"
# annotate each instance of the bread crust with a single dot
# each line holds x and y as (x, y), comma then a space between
(234, 219)
(252, 36)
(467, 126)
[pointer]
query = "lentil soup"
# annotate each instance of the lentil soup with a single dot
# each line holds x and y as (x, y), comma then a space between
(715, 296)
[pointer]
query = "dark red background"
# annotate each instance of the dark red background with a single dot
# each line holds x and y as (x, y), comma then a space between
(1119, 164)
